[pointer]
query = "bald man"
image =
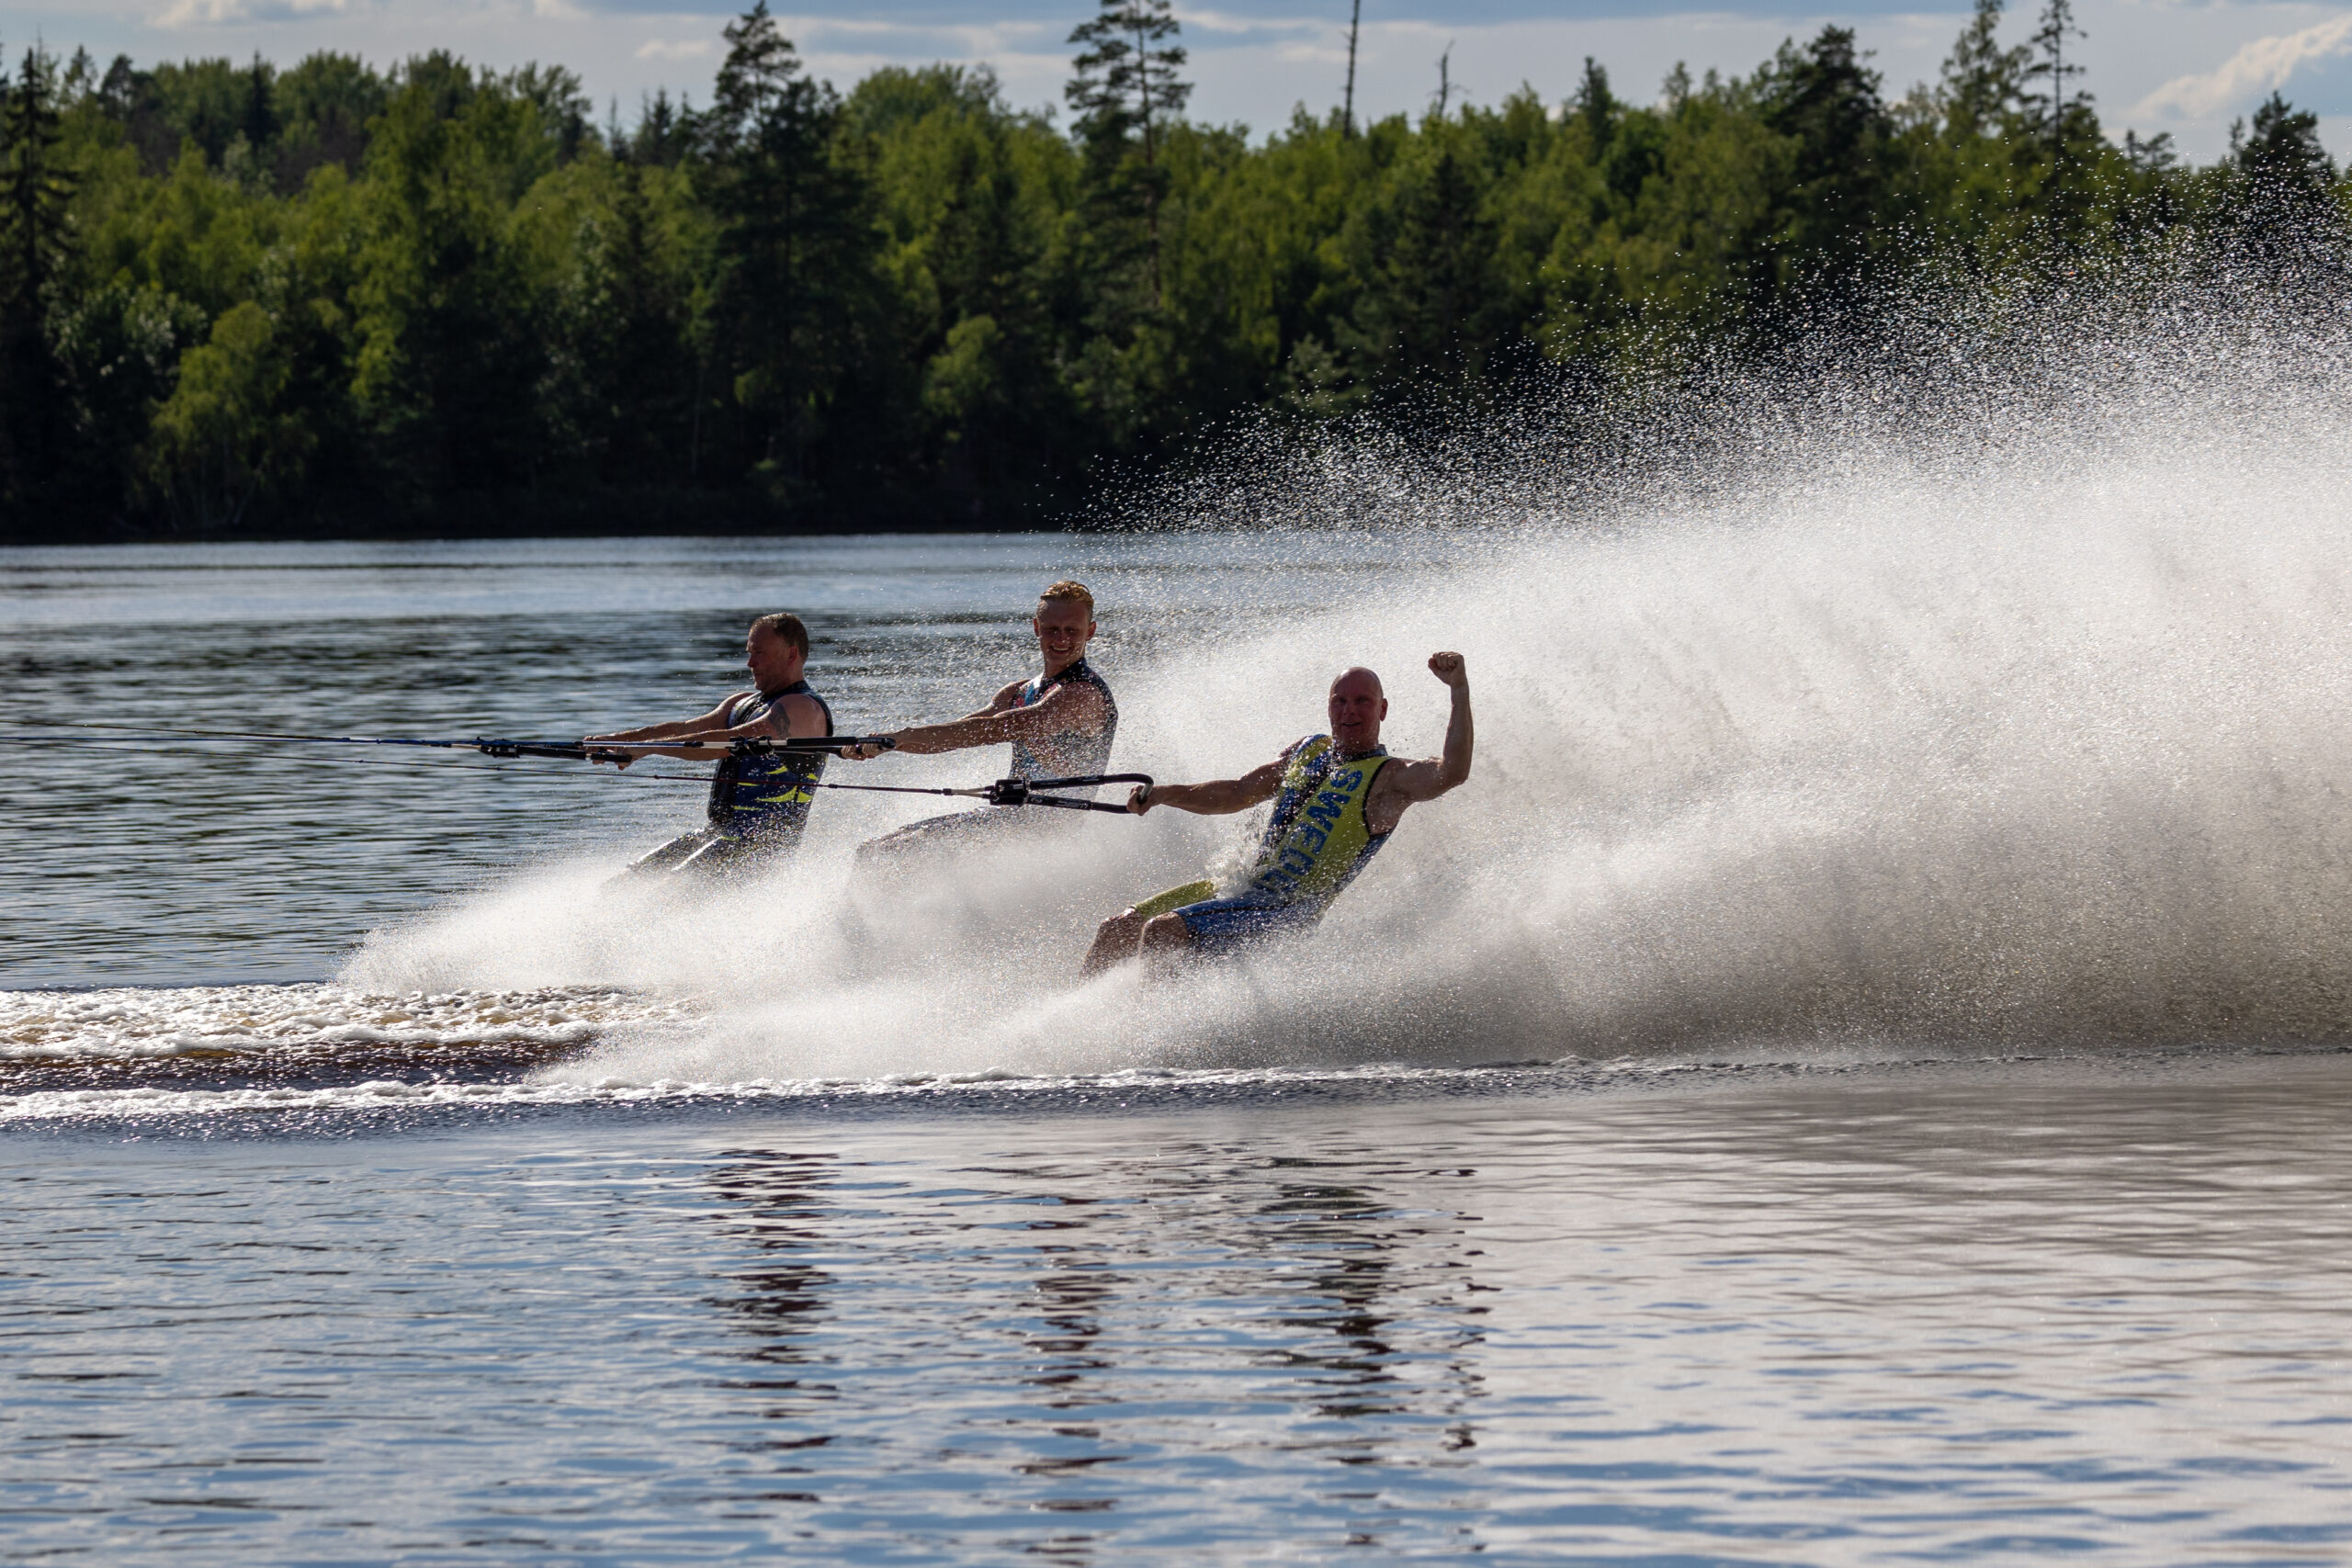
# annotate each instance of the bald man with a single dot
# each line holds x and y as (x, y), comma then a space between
(1337, 799)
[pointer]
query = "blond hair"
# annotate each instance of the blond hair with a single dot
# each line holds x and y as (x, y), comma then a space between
(1068, 589)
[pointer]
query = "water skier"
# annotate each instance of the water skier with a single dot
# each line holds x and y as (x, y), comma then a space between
(1060, 723)
(1337, 799)
(759, 805)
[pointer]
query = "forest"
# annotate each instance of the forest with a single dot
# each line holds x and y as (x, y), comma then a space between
(237, 300)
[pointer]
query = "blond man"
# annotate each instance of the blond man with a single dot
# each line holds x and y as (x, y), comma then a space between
(1059, 722)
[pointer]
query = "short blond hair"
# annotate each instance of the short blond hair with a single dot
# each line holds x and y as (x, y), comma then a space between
(1068, 589)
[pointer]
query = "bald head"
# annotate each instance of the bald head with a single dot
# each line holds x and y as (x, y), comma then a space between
(1357, 707)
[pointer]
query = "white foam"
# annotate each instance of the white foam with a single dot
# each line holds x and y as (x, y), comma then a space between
(134, 1024)
(393, 1094)
(2006, 704)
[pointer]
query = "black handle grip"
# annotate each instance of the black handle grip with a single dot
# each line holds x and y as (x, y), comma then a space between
(509, 749)
(1024, 792)
(760, 746)
(1090, 779)
(1068, 803)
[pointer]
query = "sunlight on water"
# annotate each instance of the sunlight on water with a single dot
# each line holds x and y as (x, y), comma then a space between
(1858, 1075)
(1987, 1318)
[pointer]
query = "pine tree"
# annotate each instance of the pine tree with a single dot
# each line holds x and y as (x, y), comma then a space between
(454, 339)
(2063, 109)
(1828, 101)
(638, 318)
(2285, 208)
(260, 121)
(1433, 309)
(1596, 105)
(664, 133)
(35, 242)
(795, 247)
(1126, 89)
(2064, 141)
(2284, 153)
(1983, 82)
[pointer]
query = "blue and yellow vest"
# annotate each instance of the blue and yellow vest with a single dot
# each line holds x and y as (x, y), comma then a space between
(767, 797)
(1318, 838)
(1073, 753)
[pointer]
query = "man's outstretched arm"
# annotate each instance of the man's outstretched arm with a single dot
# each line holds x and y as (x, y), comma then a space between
(670, 731)
(1070, 706)
(802, 719)
(1220, 799)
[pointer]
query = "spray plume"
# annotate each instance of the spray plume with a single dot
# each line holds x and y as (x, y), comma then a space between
(1974, 676)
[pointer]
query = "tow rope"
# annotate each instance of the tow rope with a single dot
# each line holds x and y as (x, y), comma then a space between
(1003, 792)
(1020, 792)
(488, 746)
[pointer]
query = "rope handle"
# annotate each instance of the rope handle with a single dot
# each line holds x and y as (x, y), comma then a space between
(761, 746)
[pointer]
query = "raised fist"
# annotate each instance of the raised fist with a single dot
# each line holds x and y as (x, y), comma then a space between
(1447, 667)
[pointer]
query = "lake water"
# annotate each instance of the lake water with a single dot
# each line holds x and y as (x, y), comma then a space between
(1780, 1113)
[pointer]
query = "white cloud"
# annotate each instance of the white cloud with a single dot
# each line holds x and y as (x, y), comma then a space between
(2152, 60)
(2262, 66)
(222, 13)
(675, 49)
(1229, 22)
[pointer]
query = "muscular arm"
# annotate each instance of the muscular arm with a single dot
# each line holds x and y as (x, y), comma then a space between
(802, 718)
(1220, 799)
(1070, 706)
(671, 730)
(1401, 784)
(1007, 694)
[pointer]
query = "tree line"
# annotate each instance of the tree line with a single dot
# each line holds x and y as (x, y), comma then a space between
(441, 298)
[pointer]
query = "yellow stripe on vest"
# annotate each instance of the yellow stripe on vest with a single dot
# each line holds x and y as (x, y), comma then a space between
(1331, 836)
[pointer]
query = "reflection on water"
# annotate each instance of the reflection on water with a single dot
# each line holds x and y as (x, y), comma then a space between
(779, 1300)
(1989, 1314)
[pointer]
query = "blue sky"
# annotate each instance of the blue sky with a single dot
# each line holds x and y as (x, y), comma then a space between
(2155, 64)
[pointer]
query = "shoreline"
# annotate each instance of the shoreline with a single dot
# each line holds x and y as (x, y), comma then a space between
(445, 528)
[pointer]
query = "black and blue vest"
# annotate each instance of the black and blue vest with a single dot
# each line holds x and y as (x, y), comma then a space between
(767, 797)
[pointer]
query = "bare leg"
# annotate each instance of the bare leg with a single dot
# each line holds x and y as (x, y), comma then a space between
(1166, 942)
(1115, 942)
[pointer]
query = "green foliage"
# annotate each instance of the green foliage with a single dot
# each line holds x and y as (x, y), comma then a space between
(36, 246)
(1432, 306)
(228, 432)
(1831, 221)
(323, 107)
(329, 297)
(450, 345)
(790, 320)
(1127, 96)
(2284, 151)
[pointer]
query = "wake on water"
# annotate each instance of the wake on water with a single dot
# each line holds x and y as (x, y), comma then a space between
(1993, 693)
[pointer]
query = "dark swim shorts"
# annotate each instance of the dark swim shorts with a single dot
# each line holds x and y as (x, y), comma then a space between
(1221, 926)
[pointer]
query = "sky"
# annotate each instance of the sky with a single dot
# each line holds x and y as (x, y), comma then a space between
(2155, 65)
